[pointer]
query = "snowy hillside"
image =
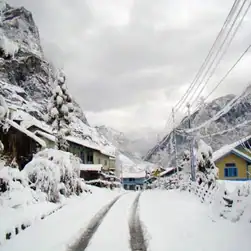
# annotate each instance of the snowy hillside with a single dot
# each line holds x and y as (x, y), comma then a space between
(130, 160)
(134, 142)
(120, 140)
(217, 127)
(26, 78)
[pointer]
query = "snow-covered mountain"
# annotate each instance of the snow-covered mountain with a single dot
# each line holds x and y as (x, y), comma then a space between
(219, 122)
(120, 140)
(26, 77)
(128, 155)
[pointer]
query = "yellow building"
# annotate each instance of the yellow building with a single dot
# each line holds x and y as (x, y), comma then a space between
(234, 161)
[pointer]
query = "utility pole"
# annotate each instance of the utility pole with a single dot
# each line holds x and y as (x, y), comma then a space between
(175, 143)
(192, 157)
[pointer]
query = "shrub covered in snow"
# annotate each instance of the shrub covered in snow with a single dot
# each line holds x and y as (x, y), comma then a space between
(59, 111)
(234, 206)
(55, 173)
(14, 189)
(206, 171)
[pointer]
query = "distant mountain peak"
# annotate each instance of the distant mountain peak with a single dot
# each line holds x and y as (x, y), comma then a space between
(233, 121)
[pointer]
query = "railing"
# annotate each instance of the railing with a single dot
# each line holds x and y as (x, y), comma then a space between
(203, 191)
(230, 206)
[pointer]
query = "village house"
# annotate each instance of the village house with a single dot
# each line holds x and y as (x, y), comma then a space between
(28, 135)
(19, 144)
(94, 175)
(234, 161)
(168, 172)
(84, 149)
(133, 181)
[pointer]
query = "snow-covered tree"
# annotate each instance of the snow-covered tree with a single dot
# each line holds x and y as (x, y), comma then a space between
(56, 173)
(206, 170)
(3, 115)
(185, 166)
(59, 111)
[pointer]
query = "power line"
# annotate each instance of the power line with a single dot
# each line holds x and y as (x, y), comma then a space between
(209, 55)
(227, 47)
(223, 111)
(228, 72)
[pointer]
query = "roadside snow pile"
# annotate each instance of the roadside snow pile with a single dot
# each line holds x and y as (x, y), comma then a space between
(238, 207)
(55, 173)
(26, 196)
(14, 189)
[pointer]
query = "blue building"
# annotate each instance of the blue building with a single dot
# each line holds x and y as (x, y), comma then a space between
(133, 181)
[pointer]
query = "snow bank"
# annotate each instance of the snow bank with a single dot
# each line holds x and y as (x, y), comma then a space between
(14, 189)
(56, 173)
(64, 227)
(177, 221)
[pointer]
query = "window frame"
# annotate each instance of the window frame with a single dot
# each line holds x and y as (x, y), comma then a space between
(89, 157)
(230, 170)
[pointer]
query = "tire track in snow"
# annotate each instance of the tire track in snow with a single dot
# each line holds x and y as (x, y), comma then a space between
(84, 240)
(137, 239)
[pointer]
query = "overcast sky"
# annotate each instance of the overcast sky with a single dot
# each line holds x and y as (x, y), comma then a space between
(129, 61)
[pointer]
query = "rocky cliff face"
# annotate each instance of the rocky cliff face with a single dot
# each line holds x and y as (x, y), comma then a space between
(26, 78)
(220, 122)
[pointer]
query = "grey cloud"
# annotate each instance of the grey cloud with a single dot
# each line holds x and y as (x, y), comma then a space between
(112, 66)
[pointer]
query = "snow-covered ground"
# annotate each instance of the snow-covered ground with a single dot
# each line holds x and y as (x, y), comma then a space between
(62, 228)
(171, 220)
(178, 221)
(231, 185)
(117, 224)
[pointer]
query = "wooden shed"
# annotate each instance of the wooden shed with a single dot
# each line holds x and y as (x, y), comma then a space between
(19, 144)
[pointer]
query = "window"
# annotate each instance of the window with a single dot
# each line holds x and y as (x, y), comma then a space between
(131, 179)
(89, 157)
(99, 161)
(230, 170)
(82, 157)
(105, 162)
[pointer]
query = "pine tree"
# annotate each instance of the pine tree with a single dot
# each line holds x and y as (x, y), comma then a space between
(59, 111)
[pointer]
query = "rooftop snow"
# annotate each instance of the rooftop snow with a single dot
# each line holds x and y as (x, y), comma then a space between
(134, 175)
(90, 167)
(45, 135)
(226, 149)
(28, 133)
(169, 169)
(89, 144)
(241, 154)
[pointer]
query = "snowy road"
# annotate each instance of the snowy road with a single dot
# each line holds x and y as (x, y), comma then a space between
(155, 220)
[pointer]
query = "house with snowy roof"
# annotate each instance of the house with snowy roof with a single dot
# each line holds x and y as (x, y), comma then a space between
(234, 160)
(133, 180)
(88, 152)
(27, 135)
(19, 144)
